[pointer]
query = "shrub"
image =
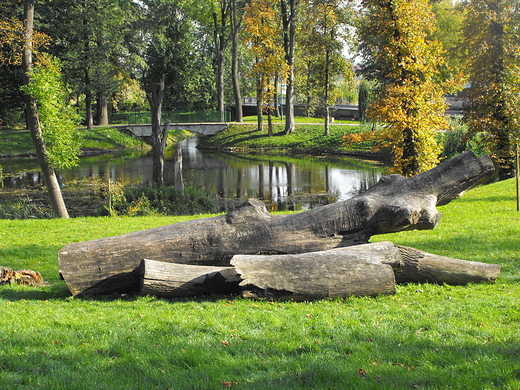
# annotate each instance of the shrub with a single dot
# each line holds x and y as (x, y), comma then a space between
(456, 141)
(141, 200)
(24, 208)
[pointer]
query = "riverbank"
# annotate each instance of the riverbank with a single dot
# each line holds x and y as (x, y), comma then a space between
(88, 196)
(307, 139)
(102, 139)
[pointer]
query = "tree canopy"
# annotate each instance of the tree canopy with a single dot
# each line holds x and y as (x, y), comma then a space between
(399, 53)
(492, 36)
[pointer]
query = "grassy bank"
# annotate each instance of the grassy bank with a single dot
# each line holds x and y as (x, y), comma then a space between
(308, 138)
(424, 337)
(100, 139)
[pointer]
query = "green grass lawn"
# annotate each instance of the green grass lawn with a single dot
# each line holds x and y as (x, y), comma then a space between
(308, 138)
(423, 337)
(16, 143)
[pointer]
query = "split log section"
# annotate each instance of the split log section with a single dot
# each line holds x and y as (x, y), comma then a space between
(361, 270)
(395, 203)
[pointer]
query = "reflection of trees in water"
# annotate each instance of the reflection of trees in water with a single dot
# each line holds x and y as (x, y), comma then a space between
(177, 168)
(285, 184)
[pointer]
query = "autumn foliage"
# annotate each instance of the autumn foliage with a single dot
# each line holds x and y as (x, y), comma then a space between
(12, 39)
(399, 54)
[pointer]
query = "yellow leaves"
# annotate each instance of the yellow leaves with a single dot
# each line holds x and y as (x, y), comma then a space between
(263, 32)
(353, 138)
(12, 41)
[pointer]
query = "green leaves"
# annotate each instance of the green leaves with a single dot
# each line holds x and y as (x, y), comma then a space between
(58, 119)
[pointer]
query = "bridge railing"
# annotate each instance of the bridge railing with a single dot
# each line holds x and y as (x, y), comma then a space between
(199, 116)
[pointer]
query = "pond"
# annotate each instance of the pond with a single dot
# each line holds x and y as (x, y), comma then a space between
(282, 182)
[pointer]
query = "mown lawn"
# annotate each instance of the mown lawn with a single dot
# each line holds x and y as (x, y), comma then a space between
(423, 337)
(19, 142)
(308, 138)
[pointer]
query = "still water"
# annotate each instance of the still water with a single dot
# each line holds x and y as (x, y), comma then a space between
(282, 182)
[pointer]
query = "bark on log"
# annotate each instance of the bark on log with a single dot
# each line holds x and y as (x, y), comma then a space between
(395, 203)
(170, 280)
(362, 270)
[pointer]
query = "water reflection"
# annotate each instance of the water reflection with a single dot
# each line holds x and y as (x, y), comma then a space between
(283, 183)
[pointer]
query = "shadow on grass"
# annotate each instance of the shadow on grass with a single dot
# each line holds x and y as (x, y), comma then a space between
(57, 290)
(126, 359)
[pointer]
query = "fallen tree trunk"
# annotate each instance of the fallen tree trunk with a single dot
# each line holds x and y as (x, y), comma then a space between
(361, 270)
(395, 203)
(170, 280)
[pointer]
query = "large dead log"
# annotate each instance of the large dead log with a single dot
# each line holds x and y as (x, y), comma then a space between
(395, 203)
(423, 267)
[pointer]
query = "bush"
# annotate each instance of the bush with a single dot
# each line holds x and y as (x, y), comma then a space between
(140, 200)
(456, 141)
(24, 208)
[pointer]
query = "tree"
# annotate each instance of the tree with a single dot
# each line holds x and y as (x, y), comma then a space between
(236, 26)
(174, 73)
(450, 18)
(492, 103)
(263, 34)
(288, 14)
(365, 98)
(96, 41)
(321, 39)
(38, 137)
(398, 53)
(221, 28)
(12, 78)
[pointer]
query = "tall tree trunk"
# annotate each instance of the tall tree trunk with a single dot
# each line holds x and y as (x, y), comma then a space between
(102, 109)
(410, 154)
(236, 23)
(259, 103)
(88, 101)
(88, 90)
(327, 92)
(289, 33)
(220, 47)
(177, 170)
(155, 98)
(51, 181)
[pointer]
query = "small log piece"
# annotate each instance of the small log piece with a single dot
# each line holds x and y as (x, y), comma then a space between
(363, 270)
(170, 280)
(423, 267)
(23, 276)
